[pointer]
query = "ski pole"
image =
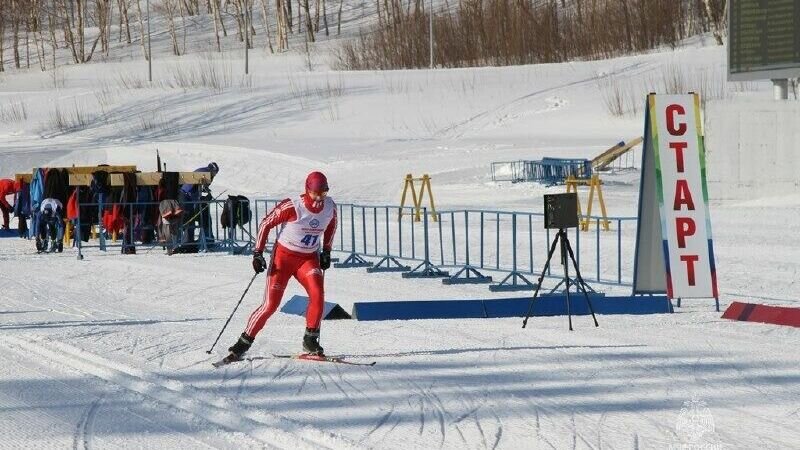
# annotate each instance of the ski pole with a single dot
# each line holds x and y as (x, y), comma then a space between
(202, 208)
(232, 313)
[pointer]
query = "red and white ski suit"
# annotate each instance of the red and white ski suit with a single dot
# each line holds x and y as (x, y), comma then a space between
(293, 257)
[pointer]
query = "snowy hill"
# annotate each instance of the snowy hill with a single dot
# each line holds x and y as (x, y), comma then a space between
(110, 351)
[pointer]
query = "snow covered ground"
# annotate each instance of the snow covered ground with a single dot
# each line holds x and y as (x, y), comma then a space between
(109, 352)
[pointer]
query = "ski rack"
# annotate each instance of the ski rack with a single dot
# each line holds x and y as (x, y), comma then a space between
(79, 170)
(73, 170)
(83, 178)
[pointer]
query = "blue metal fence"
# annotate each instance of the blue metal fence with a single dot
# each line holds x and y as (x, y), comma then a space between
(549, 171)
(472, 244)
(507, 242)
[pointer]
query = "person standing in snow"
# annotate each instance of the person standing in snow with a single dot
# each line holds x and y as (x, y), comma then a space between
(310, 224)
(194, 195)
(6, 188)
(50, 222)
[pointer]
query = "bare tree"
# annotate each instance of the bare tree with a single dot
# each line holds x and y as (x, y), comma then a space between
(289, 15)
(309, 24)
(123, 12)
(34, 26)
(15, 19)
(169, 7)
(3, 14)
(67, 18)
(265, 19)
(282, 21)
(141, 30)
(216, 19)
(316, 16)
(103, 21)
(325, 17)
(715, 14)
(339, 17)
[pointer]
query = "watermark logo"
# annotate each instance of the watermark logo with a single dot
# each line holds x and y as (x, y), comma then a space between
(695, 426)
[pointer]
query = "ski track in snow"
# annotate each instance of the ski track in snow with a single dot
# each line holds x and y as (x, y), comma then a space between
(268, 430)
(85, 427)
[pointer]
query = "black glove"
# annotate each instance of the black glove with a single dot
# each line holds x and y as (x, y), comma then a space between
(325, 260)
(259, 263)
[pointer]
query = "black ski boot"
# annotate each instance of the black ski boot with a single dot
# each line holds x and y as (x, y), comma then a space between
(311, 342)
(240, 347)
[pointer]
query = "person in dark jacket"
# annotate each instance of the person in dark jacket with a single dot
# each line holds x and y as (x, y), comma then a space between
(196, 209)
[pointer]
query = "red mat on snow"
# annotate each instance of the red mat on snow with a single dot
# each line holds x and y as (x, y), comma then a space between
(750, 312)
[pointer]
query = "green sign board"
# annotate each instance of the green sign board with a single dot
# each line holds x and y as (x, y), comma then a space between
(764, 39)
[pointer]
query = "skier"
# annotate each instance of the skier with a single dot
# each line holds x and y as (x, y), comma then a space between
(310, 221)
(50, 223)
(6, 188)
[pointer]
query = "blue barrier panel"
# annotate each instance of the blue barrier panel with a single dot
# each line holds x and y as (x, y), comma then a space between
(547, 305)
(408, 310)
(12, 233)
(298, 304)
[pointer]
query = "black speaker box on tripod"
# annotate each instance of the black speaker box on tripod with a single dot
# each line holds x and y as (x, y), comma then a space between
(561, 211)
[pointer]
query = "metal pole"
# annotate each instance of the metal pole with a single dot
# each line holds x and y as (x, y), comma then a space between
(246, 39)
(780, 88)
(430, 30)
(237, 306)
(364, 228)
(149, 48)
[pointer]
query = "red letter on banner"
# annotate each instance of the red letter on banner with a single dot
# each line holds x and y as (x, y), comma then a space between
(690, 260)
(683, 196)
(684, 226)
(672, 111)
(679, 147)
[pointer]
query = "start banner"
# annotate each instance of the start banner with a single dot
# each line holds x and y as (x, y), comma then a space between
(674, 174)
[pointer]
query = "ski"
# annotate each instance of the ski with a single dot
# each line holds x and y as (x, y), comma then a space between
(323, 358)
(226, 360)
(302, 356)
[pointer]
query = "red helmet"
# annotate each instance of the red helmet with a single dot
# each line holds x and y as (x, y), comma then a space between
(316, 182)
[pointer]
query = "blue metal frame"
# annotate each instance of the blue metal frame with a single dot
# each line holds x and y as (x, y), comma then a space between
(354, 259)
(514, 281)
(471, 275)
(426, 269)
(515, 266)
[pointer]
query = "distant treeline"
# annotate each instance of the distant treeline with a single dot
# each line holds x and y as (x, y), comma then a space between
(508, 32)
(35, 32)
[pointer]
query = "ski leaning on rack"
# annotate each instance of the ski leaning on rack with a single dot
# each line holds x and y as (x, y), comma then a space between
(323, 358)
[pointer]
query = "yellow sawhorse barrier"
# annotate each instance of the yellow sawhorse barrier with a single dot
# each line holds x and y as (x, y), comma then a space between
(594, 184)
(409, 185)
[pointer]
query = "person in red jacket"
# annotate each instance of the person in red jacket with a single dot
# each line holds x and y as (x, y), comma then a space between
(310, 224)
(6, 188)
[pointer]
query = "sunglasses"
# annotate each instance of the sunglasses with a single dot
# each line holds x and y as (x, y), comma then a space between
(318, 194)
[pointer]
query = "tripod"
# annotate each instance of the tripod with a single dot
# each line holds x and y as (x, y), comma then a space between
(566, 249)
